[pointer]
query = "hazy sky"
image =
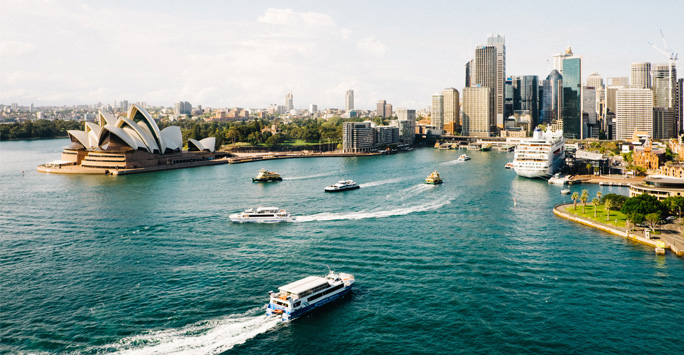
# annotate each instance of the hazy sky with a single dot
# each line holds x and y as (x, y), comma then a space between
(251, 53)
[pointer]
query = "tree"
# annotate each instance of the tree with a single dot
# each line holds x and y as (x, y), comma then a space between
(616, 200)
(643, 204)
(598, 195)
(595, 202)
(584, 197)
(652, 219)
(675, 204)
(575, 196)
(608, 205)
(589, 168)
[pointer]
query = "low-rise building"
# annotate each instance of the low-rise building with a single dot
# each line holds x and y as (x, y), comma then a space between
(648, 157)
(659, 186)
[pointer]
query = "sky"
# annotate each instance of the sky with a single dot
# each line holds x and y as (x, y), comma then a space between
(250, 54)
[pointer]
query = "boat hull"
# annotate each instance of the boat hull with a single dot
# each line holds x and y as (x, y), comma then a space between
(235, 218)
(288, 316)
(267, 179)
(342, 189)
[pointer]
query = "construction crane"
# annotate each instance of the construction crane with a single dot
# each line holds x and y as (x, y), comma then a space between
(672, 58)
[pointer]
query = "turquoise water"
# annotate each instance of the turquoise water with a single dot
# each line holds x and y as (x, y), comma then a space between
(149, 263)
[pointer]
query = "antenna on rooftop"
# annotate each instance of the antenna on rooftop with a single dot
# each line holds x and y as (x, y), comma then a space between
(672, 58)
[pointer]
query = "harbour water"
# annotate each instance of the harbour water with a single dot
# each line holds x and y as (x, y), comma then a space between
(150, 263)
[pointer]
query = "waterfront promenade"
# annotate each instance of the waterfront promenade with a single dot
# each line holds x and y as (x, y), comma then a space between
(670, 233)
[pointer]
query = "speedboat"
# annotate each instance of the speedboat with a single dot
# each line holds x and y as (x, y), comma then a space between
(342, 185)
(265, 175)
(433, 178)
(509, 165)
(262, 215)
(565, 192)
(463, 157)
(300, 297)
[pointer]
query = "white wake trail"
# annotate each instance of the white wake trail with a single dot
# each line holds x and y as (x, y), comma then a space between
(374, 213)
(206, 337)
(414, 190)
(306, 177)
(380, 182)
(451, 162)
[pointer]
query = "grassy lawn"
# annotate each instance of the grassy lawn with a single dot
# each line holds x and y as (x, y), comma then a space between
(600, 215)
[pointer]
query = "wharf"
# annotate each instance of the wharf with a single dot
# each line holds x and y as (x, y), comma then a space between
(606, 180)
(671, 234)
(251, 157)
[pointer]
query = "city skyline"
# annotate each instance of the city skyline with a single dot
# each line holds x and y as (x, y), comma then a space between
(252, 55)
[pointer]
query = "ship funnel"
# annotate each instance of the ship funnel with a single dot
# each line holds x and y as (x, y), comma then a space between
(537, 134)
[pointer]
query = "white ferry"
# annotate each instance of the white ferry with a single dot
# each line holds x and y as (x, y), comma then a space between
(299, 297)
(540, 156)
(342, 185)
(262, 215)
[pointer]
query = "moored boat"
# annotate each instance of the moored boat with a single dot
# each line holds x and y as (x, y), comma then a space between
(342, 185)
(486, 147)
(565, 192)
(265, 175)
(299, 297)
(262, 215)
(433, 178)
(540, 156)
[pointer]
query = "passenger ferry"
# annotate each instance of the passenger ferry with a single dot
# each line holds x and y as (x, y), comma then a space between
(342, 185)
(299, 297)
(433, 178)
(463, 157)
(262, 215)
(265, 175)
(540, 156)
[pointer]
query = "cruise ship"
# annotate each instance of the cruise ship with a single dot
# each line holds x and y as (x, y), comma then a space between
(540, 156)
(262, 215)
(299, 297)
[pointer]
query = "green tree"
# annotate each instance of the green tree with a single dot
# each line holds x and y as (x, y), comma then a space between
(652, 219)
(584, 197)
(575, 196)
(616, 200)
(608, 205)
(643, 204)
(595, 201)
(675, 204)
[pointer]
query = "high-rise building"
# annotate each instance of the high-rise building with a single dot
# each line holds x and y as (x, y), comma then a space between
(618, 81)
(313, 108)
(510, 87)
(437, 116)
(571, 106)
(406, 121)
(357, 137)
(182, 108)
(452, 110)
(559, 58)
(349, 102)
(124, 106)
(589, 113)
(640, 75)
(476, 111)
(384, 109)
(664, 85)
(469, 72)
(553, 95)
(499, 42)
(289, 102)
(595, 80)
(634, 112)
(663, 123)
(486, 76)
(525, 97)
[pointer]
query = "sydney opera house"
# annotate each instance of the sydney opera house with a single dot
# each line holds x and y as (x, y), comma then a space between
(121, 145)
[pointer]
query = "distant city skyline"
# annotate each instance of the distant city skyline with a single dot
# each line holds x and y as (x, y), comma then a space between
(253, 54)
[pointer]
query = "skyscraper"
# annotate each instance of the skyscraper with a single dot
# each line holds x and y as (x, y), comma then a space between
(349, 102)
(476, 111)
(553, 94)
(452, 110)
(525, 97)
(499, 42)
(437, 116)
(406, 121)
(665, 93)
(641, 75)
(486, 76)
(571, 107)
(559, 58)
(469, 71)
(634, 112)
(595, 80)
(289, 102)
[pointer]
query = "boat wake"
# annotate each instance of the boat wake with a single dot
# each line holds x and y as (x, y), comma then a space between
(452, 162)
(380, 182)
(414, 190)
(376, 213)
(306, 177)
(206, 337)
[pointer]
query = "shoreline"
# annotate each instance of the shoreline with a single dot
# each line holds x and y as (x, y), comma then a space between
(669, 237)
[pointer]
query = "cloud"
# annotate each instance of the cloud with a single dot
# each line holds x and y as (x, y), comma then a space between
(371, 46)
(289, 17)
(17, 48)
